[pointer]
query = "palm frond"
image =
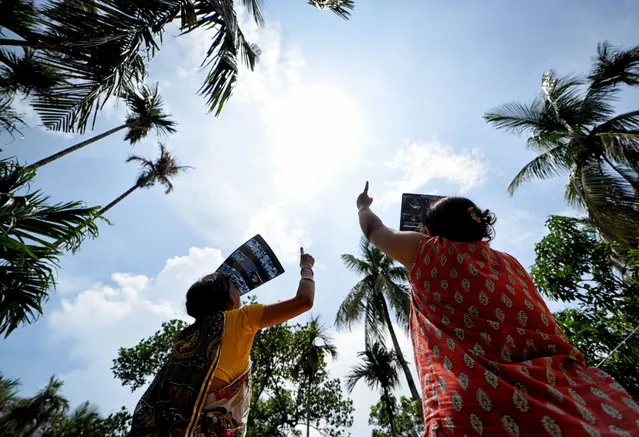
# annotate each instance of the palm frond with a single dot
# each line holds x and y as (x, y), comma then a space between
(397, 273)
(355, 264)
(352, 307)
(379, 369)
(340, 7)
(374, 327)
(613, 66)
(254, 8)
(611, 204)
(146, 113)
(10, 120)
(27, 73)
(519, 118)
(98, 52)
(30, 229)
(228, 46)
(19, 16)
(548, 164)
(576, 112)
(399, 301)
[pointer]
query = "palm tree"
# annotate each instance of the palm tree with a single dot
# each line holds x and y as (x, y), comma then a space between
(159, 171)
(145, 113)
(379, 371)
(84, 421)
(103, 45)
(572, 124)
(383, 280)
(28, 255)
(8, 392)
(36, 415)
(316, 345)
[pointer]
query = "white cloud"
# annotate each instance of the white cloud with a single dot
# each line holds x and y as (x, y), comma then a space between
(284, 235)
(417, 163)
(300, 139)
(99, 320)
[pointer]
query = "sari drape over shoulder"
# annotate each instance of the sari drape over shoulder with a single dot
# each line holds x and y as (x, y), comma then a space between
(178, 403)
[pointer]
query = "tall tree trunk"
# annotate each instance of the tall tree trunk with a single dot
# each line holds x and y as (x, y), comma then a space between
(409, 377)
(51, 158)
(308, 405)
(389, 411)
(119, 198)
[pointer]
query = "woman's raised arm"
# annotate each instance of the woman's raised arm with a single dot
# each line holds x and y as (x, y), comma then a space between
(399, 245)
(303, 301)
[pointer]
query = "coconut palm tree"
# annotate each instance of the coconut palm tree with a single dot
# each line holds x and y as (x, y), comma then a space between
(379, 371)
(159, 171)
(383, 281)
(84, 421)
(28, 255)
(36, 415)
(8, 393)
(316, 345)
(145, 113)
(573, 125)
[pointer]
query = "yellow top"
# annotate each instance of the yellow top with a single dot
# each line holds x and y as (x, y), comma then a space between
(240, 328)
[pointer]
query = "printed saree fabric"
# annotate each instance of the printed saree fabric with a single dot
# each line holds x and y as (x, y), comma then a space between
(491, 359)
(178, 403)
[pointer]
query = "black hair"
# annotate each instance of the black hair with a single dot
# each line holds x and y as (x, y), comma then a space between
(459, 219)
(208, 296)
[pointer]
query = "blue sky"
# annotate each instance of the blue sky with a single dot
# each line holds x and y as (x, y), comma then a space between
(394, 96)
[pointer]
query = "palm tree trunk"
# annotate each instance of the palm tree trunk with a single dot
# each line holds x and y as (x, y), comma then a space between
(308, 405)
(389, 411)
(116, 201)
(73, 148)
(409, 377)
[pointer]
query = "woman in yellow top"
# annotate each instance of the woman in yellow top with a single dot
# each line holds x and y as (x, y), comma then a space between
(204, 389)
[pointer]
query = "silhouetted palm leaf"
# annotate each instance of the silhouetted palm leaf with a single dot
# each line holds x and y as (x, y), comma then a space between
(30, 229)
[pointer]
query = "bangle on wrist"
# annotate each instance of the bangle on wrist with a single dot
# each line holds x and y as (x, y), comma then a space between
(308, 279)
(310, 269)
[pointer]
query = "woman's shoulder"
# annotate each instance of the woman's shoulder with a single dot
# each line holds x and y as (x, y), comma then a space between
(246, 312)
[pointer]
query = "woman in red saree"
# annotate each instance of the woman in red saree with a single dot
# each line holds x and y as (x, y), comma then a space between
(490, 357)
(204, 389)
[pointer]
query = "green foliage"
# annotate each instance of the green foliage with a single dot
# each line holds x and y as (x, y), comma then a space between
(47, 415)
(408, 418)
(284, 397)
(575, 266)
(31, 232)
(135, 365)
(573, 126)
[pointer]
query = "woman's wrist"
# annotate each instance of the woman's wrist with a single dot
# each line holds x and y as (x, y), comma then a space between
(307, 269)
